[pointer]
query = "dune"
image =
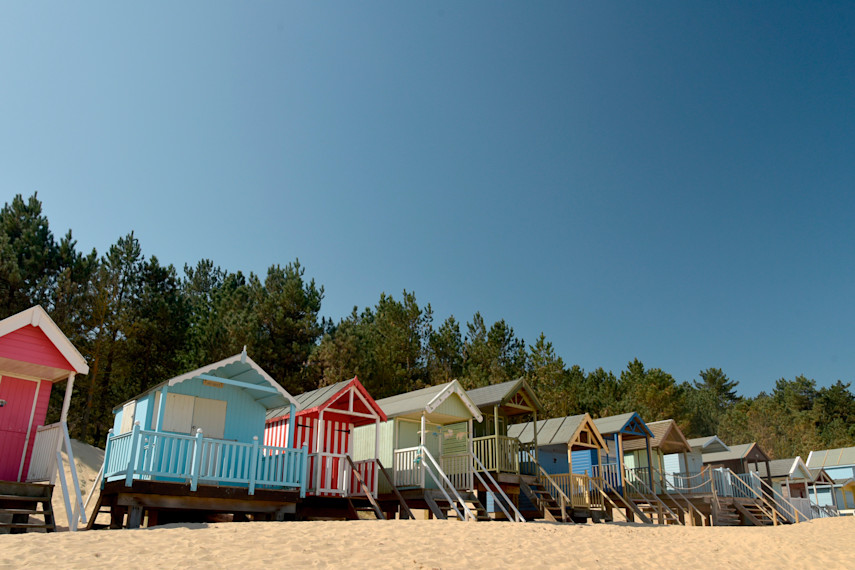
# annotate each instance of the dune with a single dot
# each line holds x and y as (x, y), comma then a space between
(824, 543)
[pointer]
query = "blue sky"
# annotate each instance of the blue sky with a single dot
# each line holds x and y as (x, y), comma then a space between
(670, 181)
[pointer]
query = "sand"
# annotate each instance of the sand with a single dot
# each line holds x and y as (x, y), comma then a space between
(825, 543)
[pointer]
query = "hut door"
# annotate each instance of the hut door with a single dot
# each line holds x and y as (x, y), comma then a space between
(14, 423)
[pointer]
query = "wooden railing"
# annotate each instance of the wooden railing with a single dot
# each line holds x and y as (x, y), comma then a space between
(143, 454)
(369, 471)
(43, 459)
(610, 476)
(528, 453)
(580, 490)
(498, 453)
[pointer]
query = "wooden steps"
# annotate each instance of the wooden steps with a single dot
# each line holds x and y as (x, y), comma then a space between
(19, 501)
(442, 507)
(549, 508)
(754, 514)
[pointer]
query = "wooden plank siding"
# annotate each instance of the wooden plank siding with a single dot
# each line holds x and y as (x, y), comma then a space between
(30, 344)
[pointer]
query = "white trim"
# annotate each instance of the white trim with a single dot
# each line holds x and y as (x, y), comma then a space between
(242, 358)
(66, 400)
(29, 428)
(38, 317)
(454, 387)
(20, 376)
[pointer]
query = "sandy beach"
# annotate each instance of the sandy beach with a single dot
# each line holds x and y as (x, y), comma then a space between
(823, 543)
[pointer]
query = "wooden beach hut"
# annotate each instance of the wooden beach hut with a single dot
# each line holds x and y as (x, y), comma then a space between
(617, 431)
(821, 493)
(569, 452)
(34, 355)
(427, 439)
(496, 452)
(740, 459)
(324, 423)
(194, 444)
(668, 447)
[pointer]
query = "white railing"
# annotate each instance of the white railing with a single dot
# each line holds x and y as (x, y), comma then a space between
(408, 467)
(497, 492)
(458, 468)
(690, 483)
(43, 459)
(46, 463)
(334, 475)
(143, 454)
(782, 504)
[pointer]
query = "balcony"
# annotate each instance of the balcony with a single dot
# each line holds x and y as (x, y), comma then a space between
(150, 455)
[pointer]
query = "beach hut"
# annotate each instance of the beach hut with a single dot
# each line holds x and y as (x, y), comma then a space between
(497, 453)
(195, 443)
(739, 459)
(616, 431)
(34, 355)
(790, 479)
(569, 452)
(324, 422)
(821, 493)
(839, 464)
(427, 439)
(667, 447)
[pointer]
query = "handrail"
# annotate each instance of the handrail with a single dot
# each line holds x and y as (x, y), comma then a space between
(650, 493)
(95, 485)
(764, 504)
(405, 508)
(600, 487)
(517, 515)
(677, 491)
(364, 487)
(786, 503)
(448, 482)
(565, 500)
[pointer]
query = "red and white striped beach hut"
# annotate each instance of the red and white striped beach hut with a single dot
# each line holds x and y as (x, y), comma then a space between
(324, 423)
(34, 355)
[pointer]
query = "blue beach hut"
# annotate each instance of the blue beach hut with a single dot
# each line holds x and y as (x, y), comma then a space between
(195, 442)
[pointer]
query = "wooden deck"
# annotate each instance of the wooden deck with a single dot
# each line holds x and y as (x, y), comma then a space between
(172, 502)
(18, 501)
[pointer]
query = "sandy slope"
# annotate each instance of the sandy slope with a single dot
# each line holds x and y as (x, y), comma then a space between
(439, 544)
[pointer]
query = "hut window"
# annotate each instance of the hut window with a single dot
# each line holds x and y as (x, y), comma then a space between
(128, 413)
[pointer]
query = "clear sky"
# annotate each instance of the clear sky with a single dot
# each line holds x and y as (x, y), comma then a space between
(672, 181)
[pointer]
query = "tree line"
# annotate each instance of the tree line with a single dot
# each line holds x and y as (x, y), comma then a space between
(139, 322)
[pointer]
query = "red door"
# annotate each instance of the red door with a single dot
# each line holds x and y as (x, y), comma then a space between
(14, 421)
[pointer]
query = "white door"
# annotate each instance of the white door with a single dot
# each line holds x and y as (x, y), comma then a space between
(210, 416)
(178, 416)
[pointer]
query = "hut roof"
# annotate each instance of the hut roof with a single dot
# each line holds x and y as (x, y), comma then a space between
(315, 400)
(554, 431)
(790, 468)
(708, 444)
(426, 400)
(831, 457)
(628, 424)
(71, 360)
(238, 370)
(500, 394)
(667, 437)
(819, 475)
(742, 451)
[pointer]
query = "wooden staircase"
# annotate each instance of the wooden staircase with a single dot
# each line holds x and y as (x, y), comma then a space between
(549, 508)
(19, 501)
(373, 506)
(440, 506)
(754, 514)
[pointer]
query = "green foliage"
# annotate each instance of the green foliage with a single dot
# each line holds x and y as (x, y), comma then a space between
(139, 323)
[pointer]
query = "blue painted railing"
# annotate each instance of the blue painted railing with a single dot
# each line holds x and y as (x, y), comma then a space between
(144, 454)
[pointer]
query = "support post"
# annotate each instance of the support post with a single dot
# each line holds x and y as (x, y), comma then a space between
(292, 428)
(196, 466)
(496, 436)
(132, 458)
(319, 450)
(106, 458)
(66, 401)
(161, 409)
(253, 465)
